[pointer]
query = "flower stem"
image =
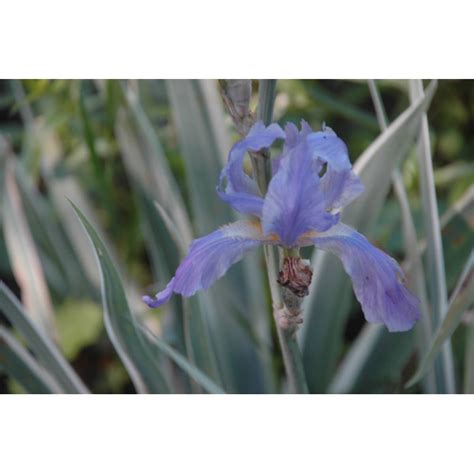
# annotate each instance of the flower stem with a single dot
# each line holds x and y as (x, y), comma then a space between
(236, 97)
(286, 337)
(261, 163)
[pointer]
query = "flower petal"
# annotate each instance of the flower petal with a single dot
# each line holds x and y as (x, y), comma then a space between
(339, 183)
(293, 137)
(376, 278)
(294, 203)
(329, 148)
(243, 202)
(235, 186)
(340, 188)
(209, 258)
(162, 297)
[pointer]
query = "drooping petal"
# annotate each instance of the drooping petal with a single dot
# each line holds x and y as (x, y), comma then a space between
(340, 188)
(209, 258)
(162, 297)
(377, 279)
(294, 203)
(327, 147)
(237, 188)
(244, 202)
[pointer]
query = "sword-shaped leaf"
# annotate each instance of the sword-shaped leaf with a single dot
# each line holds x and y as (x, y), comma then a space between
(119, 322)
(136, 346)
(23, 255)
(461, 299)
(41, 345)
(436, 274)
(21, 366)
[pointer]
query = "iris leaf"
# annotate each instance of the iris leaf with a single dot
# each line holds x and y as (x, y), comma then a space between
(138, 348)
(121, 326)
(436, 270)
(21, 366)
(461, 299)
(146, 163)
(23, 255)
(41, 345)
(57, 256)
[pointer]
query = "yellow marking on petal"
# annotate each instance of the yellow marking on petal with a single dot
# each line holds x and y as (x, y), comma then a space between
(248, 229)
(268, 238)
(306, 239)
(310, 234)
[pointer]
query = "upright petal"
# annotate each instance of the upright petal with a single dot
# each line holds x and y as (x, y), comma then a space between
(340, 188)
(329, 148)
(339, 183)
(293, 137)
(377, 279)
(209, 258)
(294, 203)
(237, 188)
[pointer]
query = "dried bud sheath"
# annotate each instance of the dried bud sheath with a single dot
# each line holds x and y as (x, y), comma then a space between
(236, 94)
(295, 275)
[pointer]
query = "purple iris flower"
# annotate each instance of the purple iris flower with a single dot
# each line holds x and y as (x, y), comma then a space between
(312, 181)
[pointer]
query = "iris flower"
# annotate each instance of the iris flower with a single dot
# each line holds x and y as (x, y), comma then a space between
(312, 181)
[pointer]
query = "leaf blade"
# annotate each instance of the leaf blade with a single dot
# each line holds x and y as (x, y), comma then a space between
(119, 321)
(20, 365)
(462, 298)
(24, 259)
(39, 343)
(197, 375)
(437, 272)
(128, 334)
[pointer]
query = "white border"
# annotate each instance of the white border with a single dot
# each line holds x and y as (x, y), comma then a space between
(259, 39)
(236, 434)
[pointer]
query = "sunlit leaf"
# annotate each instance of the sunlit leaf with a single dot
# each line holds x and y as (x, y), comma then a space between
(23, 255)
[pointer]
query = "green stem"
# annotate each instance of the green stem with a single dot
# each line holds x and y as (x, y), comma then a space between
(261, 165)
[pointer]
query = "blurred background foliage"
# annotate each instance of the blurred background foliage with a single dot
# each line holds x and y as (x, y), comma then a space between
(68, 131)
